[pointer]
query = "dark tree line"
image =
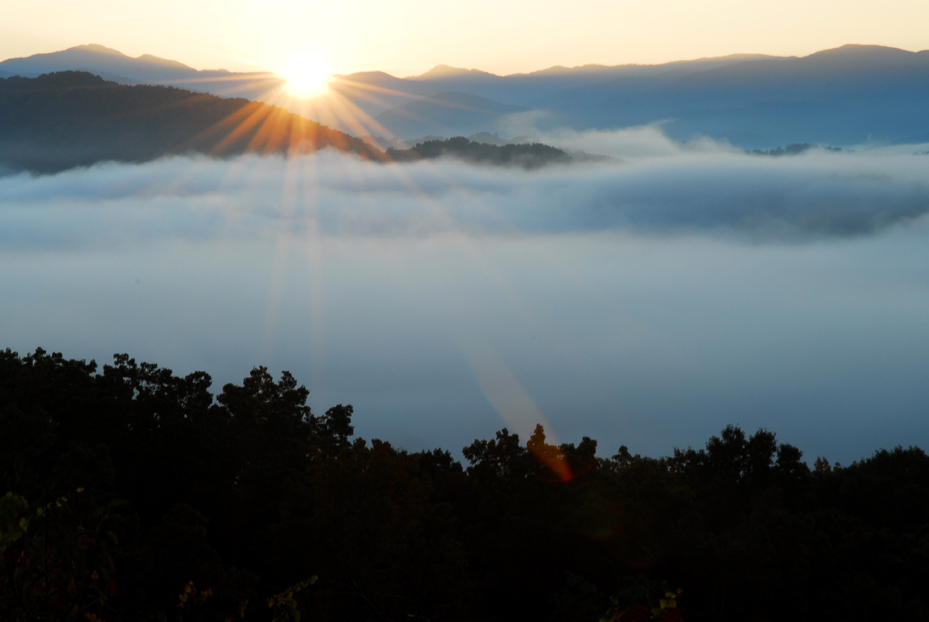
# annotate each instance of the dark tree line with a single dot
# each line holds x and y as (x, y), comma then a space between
(525, 155)
(136, 494)
(792, 150)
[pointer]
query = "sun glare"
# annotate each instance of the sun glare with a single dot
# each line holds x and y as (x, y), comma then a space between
(306, 75)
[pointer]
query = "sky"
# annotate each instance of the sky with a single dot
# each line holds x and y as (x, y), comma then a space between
(648, 301)
(408, 37)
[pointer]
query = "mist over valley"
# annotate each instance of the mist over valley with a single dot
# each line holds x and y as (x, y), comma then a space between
(762, 289)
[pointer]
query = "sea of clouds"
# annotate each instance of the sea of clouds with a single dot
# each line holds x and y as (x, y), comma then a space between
(648, 300)
(655, 186)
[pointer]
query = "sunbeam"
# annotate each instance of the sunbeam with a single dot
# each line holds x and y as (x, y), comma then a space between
(306, 75)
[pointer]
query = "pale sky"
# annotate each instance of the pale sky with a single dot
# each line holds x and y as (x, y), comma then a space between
(406, 37)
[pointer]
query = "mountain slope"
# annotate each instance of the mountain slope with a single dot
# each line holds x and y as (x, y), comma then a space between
(849, 95)
(529, 156)
(372, 93)
(62, 120)
(846, 96)
(525, 88)
(445, 113)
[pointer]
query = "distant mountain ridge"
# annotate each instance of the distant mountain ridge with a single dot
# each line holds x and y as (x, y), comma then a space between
(467, 113)
(117, 67)
(849, 95)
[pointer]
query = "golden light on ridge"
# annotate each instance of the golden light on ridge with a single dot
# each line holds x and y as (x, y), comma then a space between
(306, 75)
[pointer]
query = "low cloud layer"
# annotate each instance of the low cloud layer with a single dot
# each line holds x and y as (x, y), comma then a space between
(656, 187)
(629, 301)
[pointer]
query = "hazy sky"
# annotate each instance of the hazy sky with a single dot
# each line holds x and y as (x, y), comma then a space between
(407, 37)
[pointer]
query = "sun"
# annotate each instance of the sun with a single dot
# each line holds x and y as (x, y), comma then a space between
(306, 75)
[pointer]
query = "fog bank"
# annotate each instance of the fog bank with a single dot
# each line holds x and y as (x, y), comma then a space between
(648, 302)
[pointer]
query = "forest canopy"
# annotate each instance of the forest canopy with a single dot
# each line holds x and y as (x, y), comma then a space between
(525, 155)
(136, 494)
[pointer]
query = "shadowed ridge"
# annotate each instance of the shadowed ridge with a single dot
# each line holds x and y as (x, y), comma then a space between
(67, 119)
(525, 155)
(444, 114)
(146, 69)
(29, 66)
(596, 68)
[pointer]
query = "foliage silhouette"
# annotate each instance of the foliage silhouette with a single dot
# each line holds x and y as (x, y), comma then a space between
(230, 499)
(526, 155)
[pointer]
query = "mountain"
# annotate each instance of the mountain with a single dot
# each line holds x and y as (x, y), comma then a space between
(529, 156)
(374, 92)
(845, 96)
(445, 113)
(524, 89)
(363, 96)
(146, 69)
(61, 120)
(849, 95)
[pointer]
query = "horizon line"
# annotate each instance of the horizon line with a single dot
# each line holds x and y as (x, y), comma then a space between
(450, 69)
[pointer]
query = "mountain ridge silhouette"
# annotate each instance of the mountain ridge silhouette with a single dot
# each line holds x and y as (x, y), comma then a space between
(67, 119)
(844, 96)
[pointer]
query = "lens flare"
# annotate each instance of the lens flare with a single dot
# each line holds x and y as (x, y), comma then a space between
(306, 75)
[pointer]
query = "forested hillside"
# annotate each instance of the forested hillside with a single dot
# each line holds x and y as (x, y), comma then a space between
(528, 155)
(136, 494)
(62, 120)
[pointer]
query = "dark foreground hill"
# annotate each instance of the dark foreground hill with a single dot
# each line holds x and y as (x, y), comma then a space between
(62, 120)
(138, 495)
